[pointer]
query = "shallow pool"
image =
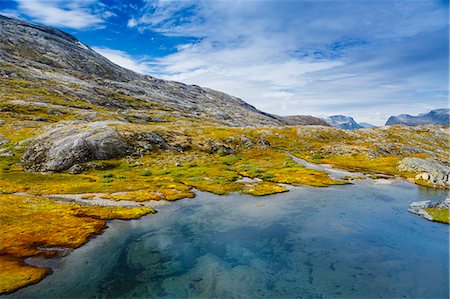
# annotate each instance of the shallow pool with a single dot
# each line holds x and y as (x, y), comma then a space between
(342, 241)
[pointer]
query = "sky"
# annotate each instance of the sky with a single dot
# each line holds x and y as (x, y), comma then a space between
(362, 58)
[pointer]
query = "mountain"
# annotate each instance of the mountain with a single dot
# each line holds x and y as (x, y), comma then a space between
(59, 69)
(367, 125)
(303, 120)
(343, 122)
(437, 116)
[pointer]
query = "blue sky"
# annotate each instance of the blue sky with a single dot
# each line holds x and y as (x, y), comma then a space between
(367, 59)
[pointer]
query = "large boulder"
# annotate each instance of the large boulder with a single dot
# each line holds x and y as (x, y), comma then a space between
(427, 169)
(61, 148)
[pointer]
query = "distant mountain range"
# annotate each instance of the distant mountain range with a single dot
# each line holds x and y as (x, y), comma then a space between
(437, 116)
(346, 122)
(367, 125)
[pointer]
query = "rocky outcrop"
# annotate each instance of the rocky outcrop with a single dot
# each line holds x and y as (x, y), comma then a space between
(61, 148)
(437, 116)
(419, 207)
(427, 170)
(343, 122)
(73, 147)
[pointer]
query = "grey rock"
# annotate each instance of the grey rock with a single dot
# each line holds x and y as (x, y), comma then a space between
(419, 206)
(61, 148)
(150, 141)
(428, 170)
(41, 119)
(4, 141)
(55, 112)
(76, 169)
(418, 209)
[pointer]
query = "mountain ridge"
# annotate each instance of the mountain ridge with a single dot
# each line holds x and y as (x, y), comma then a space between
(44, 53)
(436, 116)
(343, 122)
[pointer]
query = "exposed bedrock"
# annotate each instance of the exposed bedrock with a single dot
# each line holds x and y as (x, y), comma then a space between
(428, 170)
(61, 148)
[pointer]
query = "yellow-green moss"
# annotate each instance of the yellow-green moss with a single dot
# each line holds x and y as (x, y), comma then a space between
(14, 274)
(278, 167)
(439, 214)
(29, 224)
(263, 188)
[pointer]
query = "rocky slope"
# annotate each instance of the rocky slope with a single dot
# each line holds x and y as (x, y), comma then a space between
(59, 69)
(432, 211)
(343, 122)
(302, 120)
(437, 116)
(427, 170)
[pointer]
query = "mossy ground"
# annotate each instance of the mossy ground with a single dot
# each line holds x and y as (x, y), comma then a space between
(439, 214)
(29, 224)
(15, 274)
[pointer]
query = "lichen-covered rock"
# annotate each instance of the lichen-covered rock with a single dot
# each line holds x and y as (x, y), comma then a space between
(76, 169)
(432, 211)
(61, 148)
(428, 170)
(418, 209)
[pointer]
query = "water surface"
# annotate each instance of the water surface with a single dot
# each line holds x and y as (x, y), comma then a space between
(342, 241)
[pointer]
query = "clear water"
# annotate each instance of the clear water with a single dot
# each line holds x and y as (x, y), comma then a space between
(344, 241)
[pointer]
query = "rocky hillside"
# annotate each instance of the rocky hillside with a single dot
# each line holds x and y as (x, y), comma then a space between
(437, 116)
(54, 68)
(343, 122)
(302, 120)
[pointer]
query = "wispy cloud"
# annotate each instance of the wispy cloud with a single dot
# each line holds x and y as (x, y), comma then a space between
(76, 14)
(124, 60)
(368, 59)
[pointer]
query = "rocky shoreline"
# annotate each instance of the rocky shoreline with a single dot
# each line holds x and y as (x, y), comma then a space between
(427, 210)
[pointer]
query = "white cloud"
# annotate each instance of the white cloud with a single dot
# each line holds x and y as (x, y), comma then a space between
(124, 60)
(77, 14)
(366, 59)
(131, 23)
